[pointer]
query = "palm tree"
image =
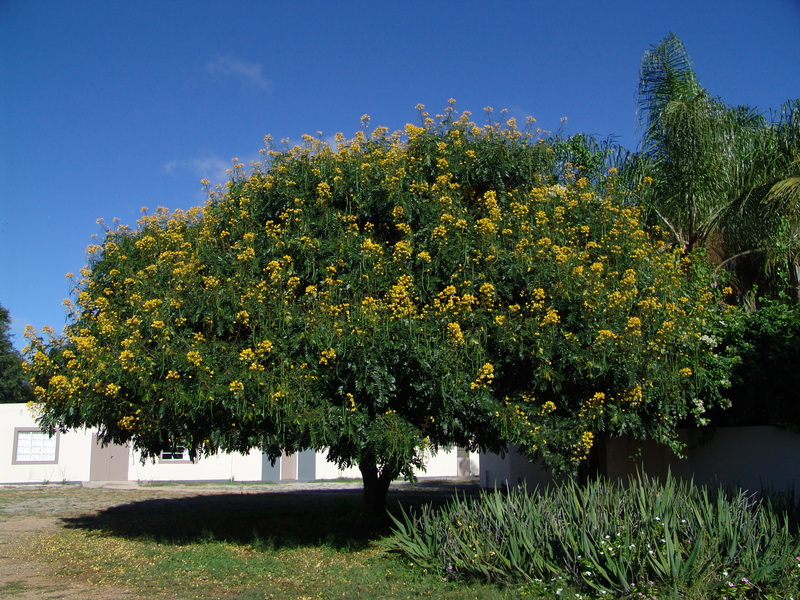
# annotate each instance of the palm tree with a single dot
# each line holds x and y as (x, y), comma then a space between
(762, 222)
(722, 178)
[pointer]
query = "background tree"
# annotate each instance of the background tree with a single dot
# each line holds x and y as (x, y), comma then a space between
(764, 385)
(718, 177)
(446, 285)
(14, 385)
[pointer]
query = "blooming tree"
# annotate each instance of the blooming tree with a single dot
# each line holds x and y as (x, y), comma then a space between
(448, 284)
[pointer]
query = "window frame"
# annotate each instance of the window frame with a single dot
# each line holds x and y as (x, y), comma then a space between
(173, 461)
(14, 456)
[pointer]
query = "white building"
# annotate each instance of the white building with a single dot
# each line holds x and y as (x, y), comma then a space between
(751, 457)
(29, 455)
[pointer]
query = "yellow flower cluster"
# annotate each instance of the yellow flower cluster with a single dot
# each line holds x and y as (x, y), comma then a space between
(485, 376)
(582, 448)
(127, 423)
(327, 356)
(550, 318)
(454, 333)
(547, 407)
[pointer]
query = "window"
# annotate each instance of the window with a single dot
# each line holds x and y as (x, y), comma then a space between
(174, 454)
(34, 446)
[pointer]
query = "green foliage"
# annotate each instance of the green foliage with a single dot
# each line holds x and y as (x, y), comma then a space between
(14, 385)
(609, 538)
(449, 284)
(764, 382)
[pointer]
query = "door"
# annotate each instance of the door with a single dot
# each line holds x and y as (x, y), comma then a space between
(289, 467)
(108, 463)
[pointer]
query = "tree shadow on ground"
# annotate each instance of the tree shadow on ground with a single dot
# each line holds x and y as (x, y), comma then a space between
(267, 520)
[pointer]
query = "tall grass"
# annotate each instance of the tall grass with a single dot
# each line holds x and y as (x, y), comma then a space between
(606, 538)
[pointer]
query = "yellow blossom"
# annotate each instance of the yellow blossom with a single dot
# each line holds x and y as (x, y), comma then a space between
(194, 357)
(454, 333)
(402, 250)
(484, 378)
(548, 407)
(127, 423)
(327, 356)
(111, 390)
(552, 317)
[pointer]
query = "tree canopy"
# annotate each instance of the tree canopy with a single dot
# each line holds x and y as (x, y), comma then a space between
(14, 385)
(449, 284)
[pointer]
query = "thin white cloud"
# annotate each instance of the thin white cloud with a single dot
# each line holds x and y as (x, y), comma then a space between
(215, 169)
(246, 72)
(212, 168)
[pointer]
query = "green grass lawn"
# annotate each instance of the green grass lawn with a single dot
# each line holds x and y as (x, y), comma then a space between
(256, 542)
(289, 545)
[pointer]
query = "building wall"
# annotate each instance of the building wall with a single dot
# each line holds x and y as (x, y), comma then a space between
(512, 469)
(72, 458)
(453, 462)
(304, 466)
(753, 458)
(445, 463)
(218, 467)
(328, 470)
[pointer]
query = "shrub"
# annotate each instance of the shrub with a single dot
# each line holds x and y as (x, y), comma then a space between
(763, 390)
(611, 538)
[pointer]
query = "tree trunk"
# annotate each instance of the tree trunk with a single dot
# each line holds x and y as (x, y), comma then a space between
(794, 277)
(376, 485)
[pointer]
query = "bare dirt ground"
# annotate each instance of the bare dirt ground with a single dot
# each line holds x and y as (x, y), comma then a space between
(29, 512)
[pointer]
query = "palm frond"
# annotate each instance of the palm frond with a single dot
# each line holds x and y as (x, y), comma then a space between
(786, 192)
(665, 75)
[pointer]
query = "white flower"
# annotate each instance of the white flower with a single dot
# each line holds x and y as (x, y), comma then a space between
(708, 340)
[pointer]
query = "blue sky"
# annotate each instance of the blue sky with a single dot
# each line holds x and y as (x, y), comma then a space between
(106, 107)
